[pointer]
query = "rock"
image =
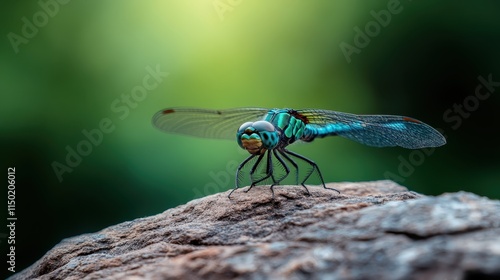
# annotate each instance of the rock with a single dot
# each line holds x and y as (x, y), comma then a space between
(372, 230)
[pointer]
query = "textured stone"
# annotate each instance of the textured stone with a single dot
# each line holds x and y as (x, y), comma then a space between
(372, 230)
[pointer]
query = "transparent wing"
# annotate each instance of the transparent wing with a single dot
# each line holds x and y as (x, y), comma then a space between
(218, 124)
(374, 130)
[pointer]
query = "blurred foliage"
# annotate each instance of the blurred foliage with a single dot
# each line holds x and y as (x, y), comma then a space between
(83, 57)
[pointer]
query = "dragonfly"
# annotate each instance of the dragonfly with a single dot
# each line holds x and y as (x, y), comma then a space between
(267, 133)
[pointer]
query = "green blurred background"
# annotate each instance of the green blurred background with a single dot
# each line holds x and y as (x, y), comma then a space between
(219, 54)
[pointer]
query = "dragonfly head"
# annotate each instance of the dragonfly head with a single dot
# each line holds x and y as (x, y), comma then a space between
(257, 137)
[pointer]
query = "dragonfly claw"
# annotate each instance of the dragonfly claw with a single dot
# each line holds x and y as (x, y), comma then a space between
(307, 190)
(333, 189)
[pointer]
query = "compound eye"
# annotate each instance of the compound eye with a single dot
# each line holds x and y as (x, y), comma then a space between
(244, 126)
(263, 126)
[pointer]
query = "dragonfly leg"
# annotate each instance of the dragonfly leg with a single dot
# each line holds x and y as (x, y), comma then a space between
(271, 169)
(287, 171)
(315, 167)
(294, 165)
(252, 172)
(238, 173)
(269, 172)
(285, 166)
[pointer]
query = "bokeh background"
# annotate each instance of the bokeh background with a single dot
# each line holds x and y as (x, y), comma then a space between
(86, 55)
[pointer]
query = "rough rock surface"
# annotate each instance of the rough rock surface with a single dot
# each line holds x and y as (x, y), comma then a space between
(372, 230)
